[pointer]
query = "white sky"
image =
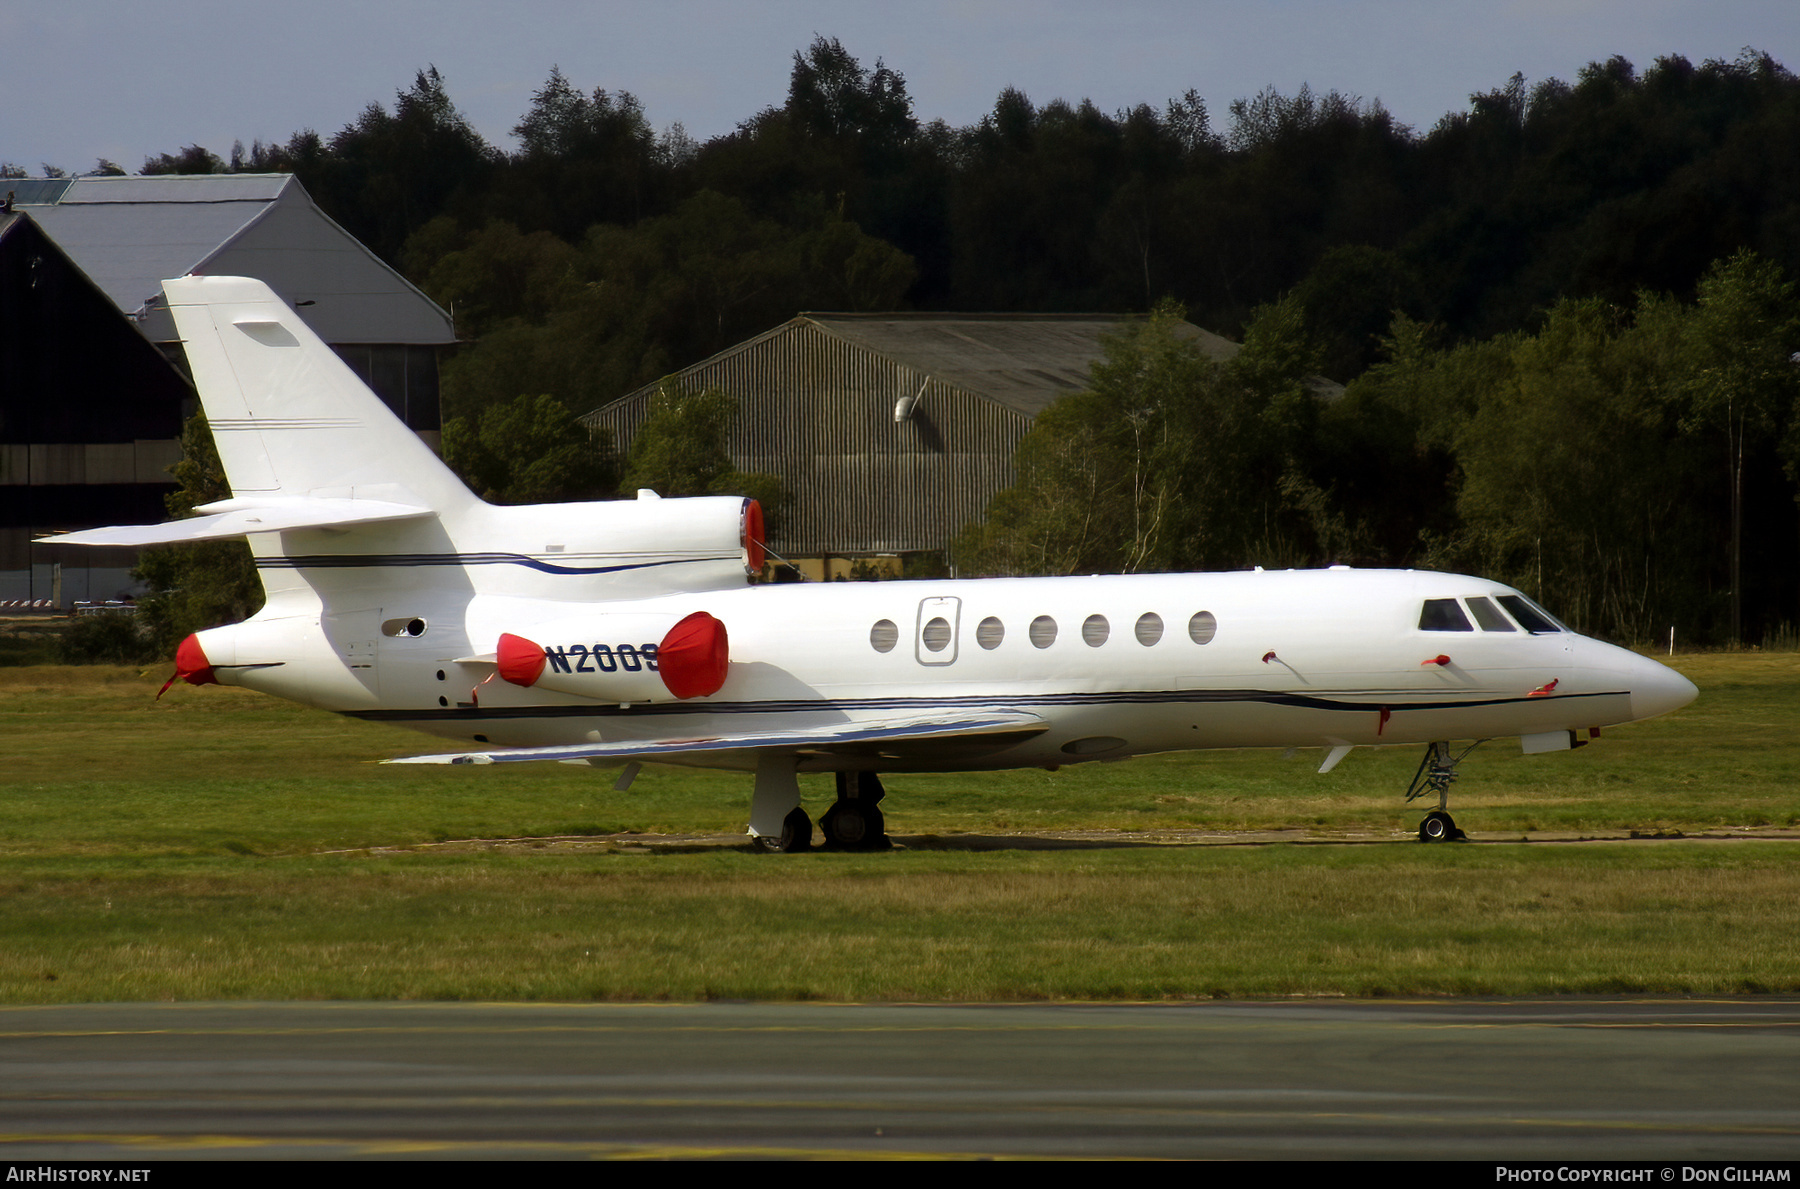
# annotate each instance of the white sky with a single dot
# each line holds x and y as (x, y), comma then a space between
(126, 79)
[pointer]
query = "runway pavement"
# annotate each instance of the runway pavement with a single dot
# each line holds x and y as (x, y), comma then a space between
(1643, 1080)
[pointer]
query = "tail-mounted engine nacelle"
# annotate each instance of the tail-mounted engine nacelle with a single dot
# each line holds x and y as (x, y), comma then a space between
(620, 658)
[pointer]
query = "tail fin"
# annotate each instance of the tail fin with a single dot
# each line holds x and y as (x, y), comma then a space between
(304, 443)
(289, 417)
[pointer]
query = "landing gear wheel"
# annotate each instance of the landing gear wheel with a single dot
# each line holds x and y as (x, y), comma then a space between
(854, 825)
(796, 835)
(796, 831)
(854, 821)
(1439, 826)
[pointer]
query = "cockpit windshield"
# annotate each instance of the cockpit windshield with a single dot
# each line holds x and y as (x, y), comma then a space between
(1489, 617)
(1531, 617)
(1449, 615)
(1444, 615)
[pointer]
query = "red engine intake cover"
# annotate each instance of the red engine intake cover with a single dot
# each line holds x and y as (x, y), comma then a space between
(521, 662)
(694, 656)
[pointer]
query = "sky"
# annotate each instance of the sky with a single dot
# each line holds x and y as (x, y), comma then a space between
(91, 79)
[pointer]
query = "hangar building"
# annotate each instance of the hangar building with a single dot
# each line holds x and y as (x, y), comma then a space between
(890, 431)
(92, 387)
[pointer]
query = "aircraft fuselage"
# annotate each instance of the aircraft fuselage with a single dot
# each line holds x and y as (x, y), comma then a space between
(1115, 665)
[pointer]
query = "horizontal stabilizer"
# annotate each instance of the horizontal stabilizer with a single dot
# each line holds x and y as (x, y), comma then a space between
(247, 516)
(993, 728)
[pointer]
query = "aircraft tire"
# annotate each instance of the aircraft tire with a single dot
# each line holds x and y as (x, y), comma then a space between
(854, 825)
(1439, 826)
(796, 831)
(875, 830)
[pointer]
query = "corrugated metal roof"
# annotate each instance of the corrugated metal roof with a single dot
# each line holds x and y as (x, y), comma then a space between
(36, 190)
(131, 233)
(1023, 361)
(181, 187)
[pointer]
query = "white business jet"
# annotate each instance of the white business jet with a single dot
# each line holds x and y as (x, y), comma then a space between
(628, 631)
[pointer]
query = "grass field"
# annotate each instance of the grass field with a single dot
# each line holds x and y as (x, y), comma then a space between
(218, 844)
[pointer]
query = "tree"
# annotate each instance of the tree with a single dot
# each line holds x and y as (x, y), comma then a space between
(1167, 461)
(494, 274)
(388, 174)
(831, 95)
(1350, 298)
(683, 449)
(529, 451)
(1072, 506)
(192, 159)
(583, 159)
(1739, 383)
(1387, 443)
(201, 585)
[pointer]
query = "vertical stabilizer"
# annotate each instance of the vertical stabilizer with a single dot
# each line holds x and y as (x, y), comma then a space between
(289, 417)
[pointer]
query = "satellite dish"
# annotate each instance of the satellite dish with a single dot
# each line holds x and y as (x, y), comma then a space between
(904, 407)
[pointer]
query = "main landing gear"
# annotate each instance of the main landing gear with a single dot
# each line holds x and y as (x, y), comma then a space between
(854, 821)
(1436, 771)
(778, 823)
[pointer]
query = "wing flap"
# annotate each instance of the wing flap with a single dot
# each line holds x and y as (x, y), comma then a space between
(247, 516)
(992, 728)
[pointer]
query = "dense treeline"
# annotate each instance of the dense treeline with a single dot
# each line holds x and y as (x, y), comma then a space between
(1619, 182)
(1562, 314)
(1636, 467)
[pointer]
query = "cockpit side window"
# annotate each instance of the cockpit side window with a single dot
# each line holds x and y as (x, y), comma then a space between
(1530, 618)
(1443, 615)
(1489, 617)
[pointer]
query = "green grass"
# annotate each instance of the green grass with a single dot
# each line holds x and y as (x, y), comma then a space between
(217, 844)
(1133, 924)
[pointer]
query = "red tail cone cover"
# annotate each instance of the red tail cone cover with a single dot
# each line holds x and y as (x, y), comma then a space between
(521, 661)
(754, 553)
(693, 657)
(191, 666)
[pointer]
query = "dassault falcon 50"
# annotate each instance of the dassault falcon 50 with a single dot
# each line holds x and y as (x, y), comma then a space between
(628, 631)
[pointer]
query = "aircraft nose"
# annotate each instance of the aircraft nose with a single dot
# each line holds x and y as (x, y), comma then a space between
(1656, 688)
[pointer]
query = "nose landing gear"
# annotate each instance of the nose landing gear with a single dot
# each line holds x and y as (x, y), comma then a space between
(1439, 826)
(1436, 772)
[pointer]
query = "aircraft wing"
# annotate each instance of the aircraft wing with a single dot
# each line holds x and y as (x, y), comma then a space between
(992, 729)
(247, 516)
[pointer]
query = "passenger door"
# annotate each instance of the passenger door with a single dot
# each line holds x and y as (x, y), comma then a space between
(936, 634)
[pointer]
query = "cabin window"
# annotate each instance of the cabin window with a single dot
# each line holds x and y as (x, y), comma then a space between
(1444, 615)
(989, 632)
(1148, 629)
(1042, 632)
(1202, 627)
(1095, 630)
(1489, 617)
(1531, 617)
(884, 635)
(936, 634)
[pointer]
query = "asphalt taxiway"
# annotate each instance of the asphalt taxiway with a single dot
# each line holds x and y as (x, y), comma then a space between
(1565, 1079)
